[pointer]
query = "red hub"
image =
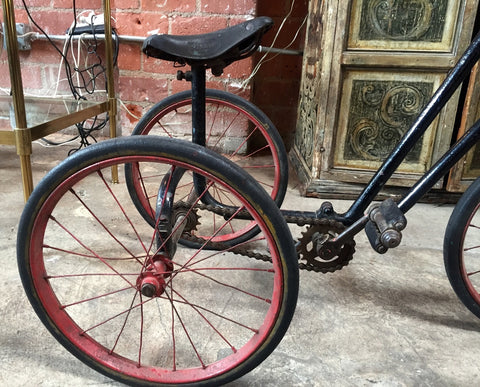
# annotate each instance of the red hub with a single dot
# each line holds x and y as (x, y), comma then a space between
(151, 283)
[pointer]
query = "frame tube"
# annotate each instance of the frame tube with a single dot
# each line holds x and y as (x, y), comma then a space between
(441, 168)
(457, 75)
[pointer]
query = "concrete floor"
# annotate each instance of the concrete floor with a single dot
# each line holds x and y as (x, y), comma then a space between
(388, 320)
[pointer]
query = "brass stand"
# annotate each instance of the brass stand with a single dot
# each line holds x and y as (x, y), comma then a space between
(22, 135)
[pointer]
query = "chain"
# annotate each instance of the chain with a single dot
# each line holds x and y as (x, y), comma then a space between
(229, 212)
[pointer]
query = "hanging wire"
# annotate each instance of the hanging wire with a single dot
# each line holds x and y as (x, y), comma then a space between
(83, 79)
(264, 58)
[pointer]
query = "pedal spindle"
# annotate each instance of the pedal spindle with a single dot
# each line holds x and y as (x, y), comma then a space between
(384, 227)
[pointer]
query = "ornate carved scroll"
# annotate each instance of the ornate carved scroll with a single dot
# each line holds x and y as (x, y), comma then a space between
(376, 113)
(403, 24)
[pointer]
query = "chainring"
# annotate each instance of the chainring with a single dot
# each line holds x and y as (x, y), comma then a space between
(308, 257)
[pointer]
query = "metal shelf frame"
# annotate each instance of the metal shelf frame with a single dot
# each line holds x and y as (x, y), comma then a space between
(22, 135)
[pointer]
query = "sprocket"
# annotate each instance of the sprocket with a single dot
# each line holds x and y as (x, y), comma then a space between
(307, 254)
(192, 218)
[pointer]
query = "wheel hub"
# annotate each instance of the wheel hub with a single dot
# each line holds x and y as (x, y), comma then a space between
(151, 283)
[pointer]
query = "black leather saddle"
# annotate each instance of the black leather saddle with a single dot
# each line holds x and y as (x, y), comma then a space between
(214, 50)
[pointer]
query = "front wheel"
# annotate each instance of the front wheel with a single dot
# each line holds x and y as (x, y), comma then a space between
(462, 248)
(107, 288)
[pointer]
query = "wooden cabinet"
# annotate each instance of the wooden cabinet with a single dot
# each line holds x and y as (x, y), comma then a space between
(369, 68)
(462, 175)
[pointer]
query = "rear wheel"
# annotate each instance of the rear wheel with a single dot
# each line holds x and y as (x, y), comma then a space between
(110, 294)
(235, 128)
(462, 248)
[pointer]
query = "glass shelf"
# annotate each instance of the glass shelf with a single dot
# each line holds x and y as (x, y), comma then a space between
(46, 115)
(40, 116)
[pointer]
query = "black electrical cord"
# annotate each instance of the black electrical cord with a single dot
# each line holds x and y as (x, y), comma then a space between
(68, 70)
(87, 85)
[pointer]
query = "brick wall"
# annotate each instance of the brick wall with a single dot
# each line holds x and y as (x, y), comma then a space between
(276, 86)
(142, 81)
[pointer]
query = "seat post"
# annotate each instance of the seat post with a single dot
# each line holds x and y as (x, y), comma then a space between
(198, 105)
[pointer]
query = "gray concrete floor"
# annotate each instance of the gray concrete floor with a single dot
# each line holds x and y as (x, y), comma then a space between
(388, 320)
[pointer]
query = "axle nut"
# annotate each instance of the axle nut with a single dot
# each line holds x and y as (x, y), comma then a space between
(391, 238)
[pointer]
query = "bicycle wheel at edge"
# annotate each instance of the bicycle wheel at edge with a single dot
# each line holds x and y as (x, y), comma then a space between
(236, 129)
(84, 250)
(461, 248)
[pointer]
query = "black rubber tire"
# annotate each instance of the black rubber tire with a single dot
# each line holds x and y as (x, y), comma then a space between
(70, 172)
(459, 232)
(264, 128)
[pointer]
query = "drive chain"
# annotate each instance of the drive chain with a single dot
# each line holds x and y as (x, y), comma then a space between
(236, 249)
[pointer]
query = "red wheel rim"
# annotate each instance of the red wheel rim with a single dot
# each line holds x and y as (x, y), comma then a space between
(133, 368)
(273, 188)
(466, 274)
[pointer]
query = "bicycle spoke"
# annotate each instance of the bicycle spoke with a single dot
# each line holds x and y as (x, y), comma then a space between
(187, 333)
(222, 317)
(103, 260)
(122, 210)
(234, 129)
(198, 311)
(122, 291)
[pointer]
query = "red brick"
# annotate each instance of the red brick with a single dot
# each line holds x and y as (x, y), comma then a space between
(229, 7)
(197, 25)
(140, 24)
(4, 80)
(80, 5)
(240, 69)
(20, 16)
(62, 4)
(158, 66)
(51, 76)
(89, 4)
(142, 88)
(275, 92)
(41, 52)
(54, 22)
(275, 8)
(126, 4)
(38, 3)
(244, 93)
(134, 113)
(129, 57)
(32, 77)
(169, 5)
(276, 84)
(178, 86)
(236, 19)
(215, 83)
(287, 33)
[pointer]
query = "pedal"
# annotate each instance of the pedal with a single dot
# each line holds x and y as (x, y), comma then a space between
(384, 227)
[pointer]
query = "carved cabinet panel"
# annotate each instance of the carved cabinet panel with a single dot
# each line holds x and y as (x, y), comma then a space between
(375, 111)
(427, 25)
(370, 66)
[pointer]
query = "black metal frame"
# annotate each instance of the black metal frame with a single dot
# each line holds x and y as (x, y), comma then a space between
(355, 216)
(454, 79)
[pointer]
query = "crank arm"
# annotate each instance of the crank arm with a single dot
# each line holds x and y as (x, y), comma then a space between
(331, 248)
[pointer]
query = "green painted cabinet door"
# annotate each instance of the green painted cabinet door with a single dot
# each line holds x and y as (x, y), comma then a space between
(370, 66)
